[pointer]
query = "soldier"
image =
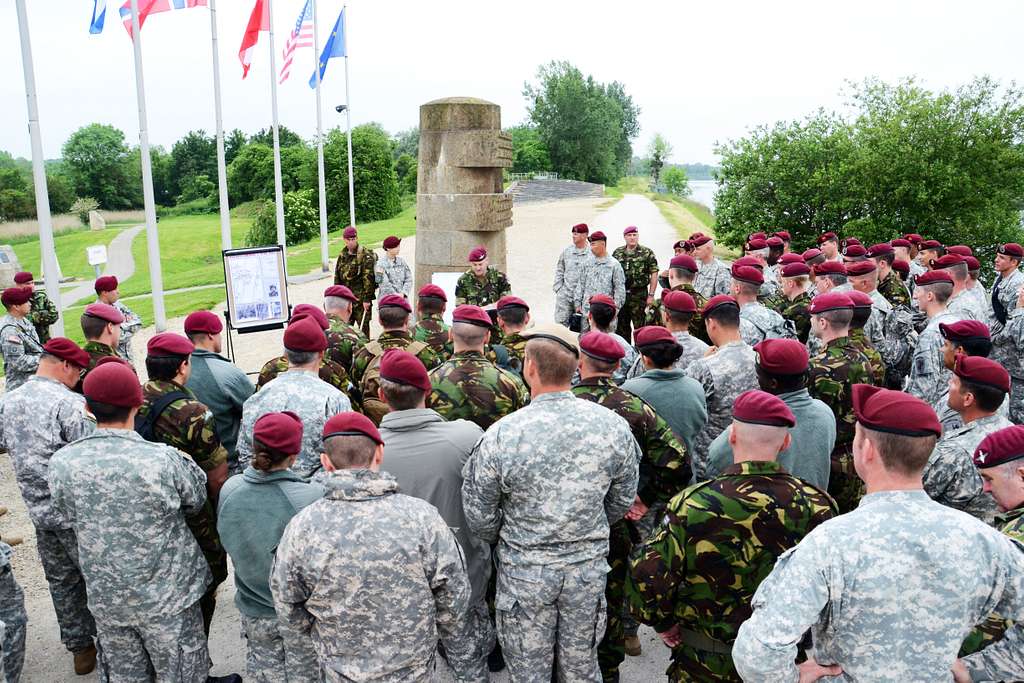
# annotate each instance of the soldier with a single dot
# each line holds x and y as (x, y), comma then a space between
(961, 304)
(426, 454)
(144, 569)
(724, 375)
(216, 382)
(786, 240)
(781, 366)
(1005, 302)
(975, 289)
(828, 243)
(930, 250)
(299, 390)
(544, 484)
(568, 270)
(392, 273)
(101, 326)
(713, 277)
(107, 293)
(513, 317)
(854, 253)
(343, 338)
(374, 577)
(640, 268)
(430, 326)
(468, 386)
(976, 390)
(795, 300)
(681, 272)
(756, 254)
(910, 255)
(18, 341)
(687, 580)
(678, 311)
(968, 338)
(601, 317)
(862, 309)
(890, 285)
(355, 270)
(911, 576)
(38, 418)
(44, 312)
(889, 328)
(13, 620)
(757, 322)
(602, 274)
(481, 285)
(331, 372)
(928, 375)
(253, 512)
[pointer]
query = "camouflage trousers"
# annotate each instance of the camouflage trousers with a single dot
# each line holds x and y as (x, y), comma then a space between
(13, 620)
(466, 652)
(644, 526)
(58, 553)
(166, 648)
(565, 306)
(275, 654)
(844, 484)
(1017, 400)
(612, 649)
(632, 314)
(551, 611)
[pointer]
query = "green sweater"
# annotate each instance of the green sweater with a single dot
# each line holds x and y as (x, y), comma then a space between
(223, 388)
(677, 398)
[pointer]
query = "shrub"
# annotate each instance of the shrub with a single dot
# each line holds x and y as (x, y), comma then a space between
(15, 205)
(195, 187)
(82, 207)
(675, 181)
(301, 221)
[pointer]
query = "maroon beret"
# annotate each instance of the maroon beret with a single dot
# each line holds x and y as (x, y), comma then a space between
(830, 268)
(901, 266)
(474, 315)
(107, 283)
(699, 240)
(349, 232)
(105, 312)
(965, 331)
(602, 299)
(795, 269)
(15, 296)
(679, 301)
(113, 383)
(401, 367)
(581, 228)
(203, 321)
(931, 244)
(861, 268)
(748, 261)
(314, 312)
(757, 244)
(602, 347)
(390, 242)
(810, 254)
(830, 301)
(782, 356)
(1012, 249)
(65, 349)
(682, 244)
(433, 291)
(396, 301)
(947, 261)
(855, 250)
(859, 299)
(351, 424)
(774, 242)
(717, 301)
(169, 344)
(972, 263)
(653, 334)
(685, 262)
(304, 334)
(597, 236)
(913, 237)
(790, 257)
(114, 359)
(630, 230)
(342, 292)
(478, 254)
(827, 236)
(280, 431)
(1005, 445)
(23, 278)
(981, 370)
(510, 302)
(851, 241)
(747, 274)
(932, 277)
(757, 236)
(900, 242)
(761, 408)
(895, 412)
(695, 235)
(960, 250)
(876, 250)
(783, 235)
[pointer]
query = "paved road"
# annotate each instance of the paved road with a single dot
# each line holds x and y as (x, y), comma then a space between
(120, 263)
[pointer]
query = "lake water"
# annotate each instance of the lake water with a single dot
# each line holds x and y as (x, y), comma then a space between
(703, 191)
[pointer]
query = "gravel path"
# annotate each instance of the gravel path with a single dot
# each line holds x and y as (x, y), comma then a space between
(537, 236)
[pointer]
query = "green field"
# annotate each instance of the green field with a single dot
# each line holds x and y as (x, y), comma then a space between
(70, 252)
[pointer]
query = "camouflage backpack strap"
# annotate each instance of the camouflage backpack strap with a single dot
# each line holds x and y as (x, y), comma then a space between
(417, 347)
(145, 425)
(373, 407)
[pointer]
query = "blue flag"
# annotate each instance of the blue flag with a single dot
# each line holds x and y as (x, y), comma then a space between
(99, 6)
(335, 47)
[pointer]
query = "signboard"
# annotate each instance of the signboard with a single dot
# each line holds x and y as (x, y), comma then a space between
(97, 255)
(257, 286)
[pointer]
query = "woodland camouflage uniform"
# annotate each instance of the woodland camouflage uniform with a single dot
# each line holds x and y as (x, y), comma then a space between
(330, 372)
(433, 331)
(356, 271)
(43, 314)
(638, 265)
(343, 340)
(652, 315)
(470, 387)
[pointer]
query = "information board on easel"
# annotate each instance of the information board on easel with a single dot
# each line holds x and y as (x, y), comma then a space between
(256, 281)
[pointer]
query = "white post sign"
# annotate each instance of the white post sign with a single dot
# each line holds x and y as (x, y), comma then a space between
(97, 256)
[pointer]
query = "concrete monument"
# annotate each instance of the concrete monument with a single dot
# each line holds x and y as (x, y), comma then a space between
(9, 265)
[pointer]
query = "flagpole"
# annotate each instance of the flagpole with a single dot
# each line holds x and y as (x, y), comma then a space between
(152, 237)
(324, 254)
(222, 174)
(51, 277)
(278, 192)
(348, 117)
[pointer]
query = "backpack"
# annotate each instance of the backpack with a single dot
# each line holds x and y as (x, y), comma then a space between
(373, 407)
(506, 361)
(146, 425)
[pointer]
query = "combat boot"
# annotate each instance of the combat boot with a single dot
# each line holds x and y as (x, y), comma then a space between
(85, 660)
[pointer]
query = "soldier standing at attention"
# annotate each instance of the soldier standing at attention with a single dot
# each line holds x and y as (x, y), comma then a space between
(681, 271)
(374, 577)
(107, 293)
(928, 374)
(794, 300)
(468, 386)
(602, 274)
(900, 575)
(757, 322)
(513, 317)
(127, 500)
(355, 270)
(640, 267)
(44, 312)
(329, 371)
(713, 277)
(481, 285)
(693, 579)
(392, 273)
(828, 243)
(18, 341)
(890, 285)
(568, 271)
(430, 326)
(969, 338)
(678, 311)
(343, 338)
(101, 326)
(545, 484)
(859, 340)
(1005, 302)
(601, 317)
(961, 302)
(36, 420)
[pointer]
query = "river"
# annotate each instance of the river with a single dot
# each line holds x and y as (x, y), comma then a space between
(703, 191)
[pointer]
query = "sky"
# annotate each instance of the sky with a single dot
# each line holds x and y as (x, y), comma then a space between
(702, 73)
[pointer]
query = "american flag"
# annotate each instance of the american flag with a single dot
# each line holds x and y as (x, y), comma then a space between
(301, 36)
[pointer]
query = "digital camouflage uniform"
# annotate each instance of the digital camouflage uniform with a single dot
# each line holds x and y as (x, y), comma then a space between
(890, 331)
(893, 289)
(356, 271)
(664, 471)
(929, 376)
(600, 276)
(545, 484)
(433, 331)
(188, 425)
(343, 340)
(712, 278)
(567, 276)
(375, 578)
(21, 350)
(330, 372)
(724, 375)
(393, 277)
(470, 387)
(13, 620)
(36, 420)
(758, 322)
(830, 378)
(966, 306)
(1008, 349)
(797, 310)
(127, 500)
(950, 476)
(697, 327)
(638, 265)
(43, 314)
(716, 543)
(132, 324)
(481, 291)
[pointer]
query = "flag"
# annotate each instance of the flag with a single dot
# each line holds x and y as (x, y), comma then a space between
(99, 14)
(301, 36)
(147, 7)
(335, 47)
(259, 20)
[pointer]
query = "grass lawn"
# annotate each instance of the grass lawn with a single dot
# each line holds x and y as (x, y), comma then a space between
(70, 247)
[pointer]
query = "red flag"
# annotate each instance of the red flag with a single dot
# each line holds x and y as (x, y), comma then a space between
(147, 7)
(259, 20)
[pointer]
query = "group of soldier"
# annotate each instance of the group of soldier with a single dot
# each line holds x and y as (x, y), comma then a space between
(797, 466)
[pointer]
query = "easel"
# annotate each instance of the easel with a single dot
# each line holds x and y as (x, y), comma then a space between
(282, 285)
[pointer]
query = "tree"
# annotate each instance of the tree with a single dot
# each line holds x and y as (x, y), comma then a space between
(406, 142)
(629, 124)
(406, 169)
(193, 155)
(251, 174)
(197, 187)
(233, 144)
(286, 137)
(528, 151)
(15, 205)
(376, 184)
(301, 220)
(658, 152)
(675, 181)
(97, 161)
(60, 192)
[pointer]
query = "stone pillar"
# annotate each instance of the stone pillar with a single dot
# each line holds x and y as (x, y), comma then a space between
(460, 201)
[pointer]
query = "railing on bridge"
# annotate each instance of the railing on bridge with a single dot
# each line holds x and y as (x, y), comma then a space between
(533, 175)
